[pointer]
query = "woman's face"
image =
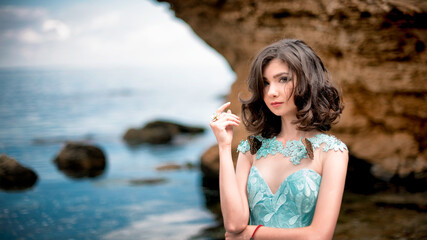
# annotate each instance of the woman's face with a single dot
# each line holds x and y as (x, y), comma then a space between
(278, 89)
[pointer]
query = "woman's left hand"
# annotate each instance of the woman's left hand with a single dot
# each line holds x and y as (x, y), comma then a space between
(244, 235)
(222, 125)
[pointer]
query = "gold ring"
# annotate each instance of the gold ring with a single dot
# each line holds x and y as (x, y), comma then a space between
(215, 117)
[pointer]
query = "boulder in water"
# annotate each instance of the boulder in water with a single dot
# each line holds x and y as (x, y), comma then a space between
(158, 132)
(79, 160)
(14, 176)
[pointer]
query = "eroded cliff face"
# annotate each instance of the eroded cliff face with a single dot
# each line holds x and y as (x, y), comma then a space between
(375, 50)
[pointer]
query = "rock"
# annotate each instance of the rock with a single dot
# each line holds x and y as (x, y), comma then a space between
(375, 50)
(153, 136)
(371, 215)
(169, 167)
(209, 163)
(62, 139)
(14, 176)
(147, 181)
(79, 160)
(174, 166)
(158, 132)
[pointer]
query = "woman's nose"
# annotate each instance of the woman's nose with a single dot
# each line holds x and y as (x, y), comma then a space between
(272, 91)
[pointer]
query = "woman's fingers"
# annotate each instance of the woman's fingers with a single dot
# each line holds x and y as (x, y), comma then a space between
(222, 124)
(228, 117)
(220, 114)
(223, 107)
(224, 120)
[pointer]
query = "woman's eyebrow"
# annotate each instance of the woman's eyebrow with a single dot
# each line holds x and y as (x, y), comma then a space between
(280, 74)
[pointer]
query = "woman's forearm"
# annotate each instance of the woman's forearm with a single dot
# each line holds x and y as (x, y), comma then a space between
(235, 215)
(310, 232)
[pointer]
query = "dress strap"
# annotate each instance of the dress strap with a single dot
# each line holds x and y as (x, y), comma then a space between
(294, 149)
(243, 146)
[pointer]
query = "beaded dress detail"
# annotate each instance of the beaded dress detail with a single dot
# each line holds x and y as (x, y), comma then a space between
(294, 202)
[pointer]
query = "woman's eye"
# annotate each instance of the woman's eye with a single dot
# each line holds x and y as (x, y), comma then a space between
(266, 83)
(284, 79)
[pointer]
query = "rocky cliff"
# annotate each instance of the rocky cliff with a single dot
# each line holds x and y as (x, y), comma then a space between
(375, 50)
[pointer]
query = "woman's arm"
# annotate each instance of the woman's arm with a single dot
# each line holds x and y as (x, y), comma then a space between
(327, 207)
(232, 184)
(233, 195)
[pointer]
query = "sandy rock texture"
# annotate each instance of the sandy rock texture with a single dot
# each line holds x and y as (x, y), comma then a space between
(375, 50)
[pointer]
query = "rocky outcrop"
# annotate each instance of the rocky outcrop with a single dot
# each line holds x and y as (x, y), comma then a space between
(158, 132)
(80, 160)
(375, 50)
(14, 176)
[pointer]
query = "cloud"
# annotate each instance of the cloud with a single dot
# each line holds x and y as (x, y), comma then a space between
(26, 36)
(105, 21)
(56, 30)
(29, 26)
(16, 14)
(132, 33)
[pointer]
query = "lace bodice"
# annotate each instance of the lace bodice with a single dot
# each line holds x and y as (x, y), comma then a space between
(295, 149)
(294, 202)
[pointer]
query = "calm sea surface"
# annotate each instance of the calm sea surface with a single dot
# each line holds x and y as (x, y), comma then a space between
(42, 108)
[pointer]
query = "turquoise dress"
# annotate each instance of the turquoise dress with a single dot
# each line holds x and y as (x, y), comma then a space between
(294, 202)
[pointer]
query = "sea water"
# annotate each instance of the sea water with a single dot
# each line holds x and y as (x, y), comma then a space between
(40, 109)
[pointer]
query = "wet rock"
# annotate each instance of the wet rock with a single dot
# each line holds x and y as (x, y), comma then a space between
(169, 167)
(158, 132)
(209, 163)
(14, 176)
(405, 200)
(369, 216)
(147, 181)
(79, 160)
(174, 166)
(62, 139)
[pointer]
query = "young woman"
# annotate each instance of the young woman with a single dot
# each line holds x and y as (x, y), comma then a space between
(289, 178)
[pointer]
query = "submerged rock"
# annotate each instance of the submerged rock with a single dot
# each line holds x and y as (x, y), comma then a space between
(14, 176)
(169, 167)
(174, 166)
(79, 160)
(147, 181)
(158, 132)
(62, 139)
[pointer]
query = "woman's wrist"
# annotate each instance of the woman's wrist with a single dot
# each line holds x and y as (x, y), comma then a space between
(256, 229)
(224, 147)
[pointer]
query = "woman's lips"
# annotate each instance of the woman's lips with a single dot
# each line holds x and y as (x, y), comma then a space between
(276, 104)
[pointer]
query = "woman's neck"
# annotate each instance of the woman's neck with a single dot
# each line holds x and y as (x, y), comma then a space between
(289, 131)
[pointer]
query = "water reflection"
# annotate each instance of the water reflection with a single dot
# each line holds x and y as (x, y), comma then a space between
(174, 224)
(91, 208)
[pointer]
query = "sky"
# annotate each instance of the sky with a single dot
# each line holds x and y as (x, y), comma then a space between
(98, 33)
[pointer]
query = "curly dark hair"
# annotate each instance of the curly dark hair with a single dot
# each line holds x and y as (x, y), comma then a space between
(319, 103)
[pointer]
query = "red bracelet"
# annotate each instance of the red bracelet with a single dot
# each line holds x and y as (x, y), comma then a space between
(256, 229)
